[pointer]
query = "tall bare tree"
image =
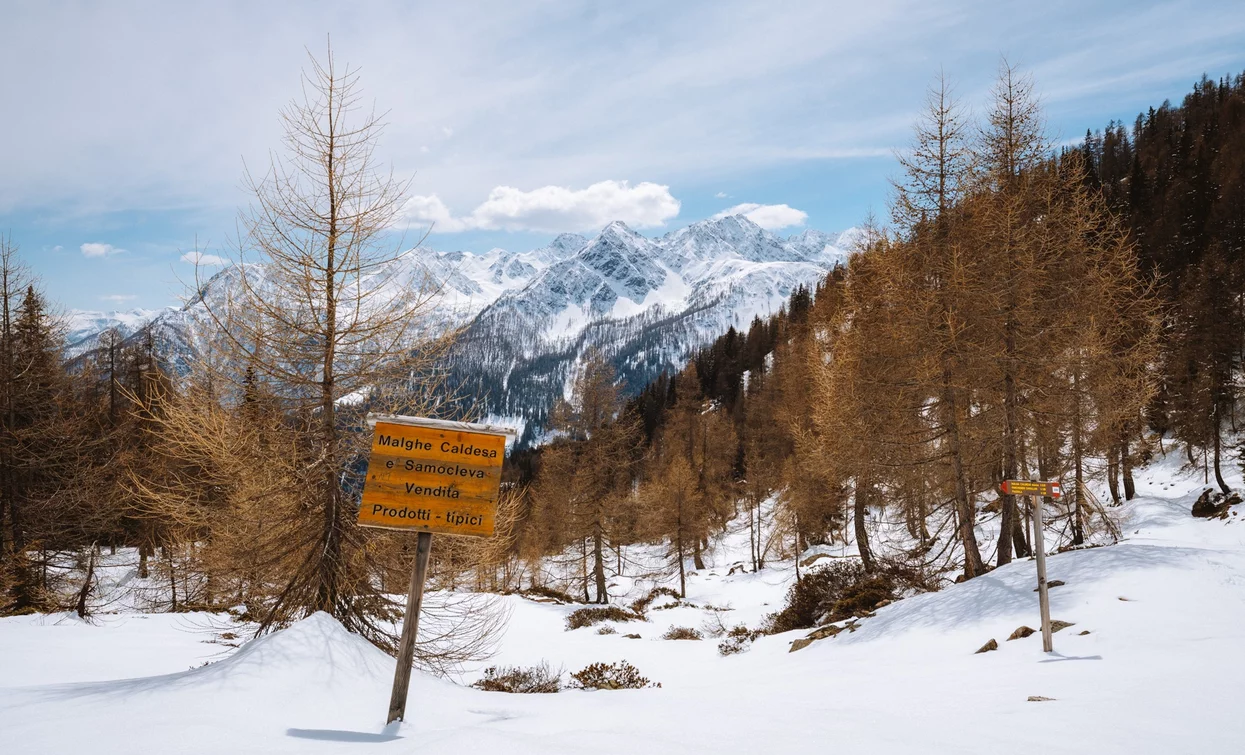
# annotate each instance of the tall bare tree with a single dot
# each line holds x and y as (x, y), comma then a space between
(321, 305)
(938, 170)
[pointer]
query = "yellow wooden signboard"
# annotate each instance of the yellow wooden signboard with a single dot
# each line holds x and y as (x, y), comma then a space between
(433, 476)
(1032, 487)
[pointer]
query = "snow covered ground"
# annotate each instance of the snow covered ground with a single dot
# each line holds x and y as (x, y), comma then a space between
(1160, 669)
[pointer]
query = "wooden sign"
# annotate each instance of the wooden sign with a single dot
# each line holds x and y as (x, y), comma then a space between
(1031, 487)
(433, 476)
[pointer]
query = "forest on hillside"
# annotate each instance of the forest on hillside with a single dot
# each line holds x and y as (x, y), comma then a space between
(1027, 310)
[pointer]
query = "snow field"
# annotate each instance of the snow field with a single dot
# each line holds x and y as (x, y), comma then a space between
(1159, 671)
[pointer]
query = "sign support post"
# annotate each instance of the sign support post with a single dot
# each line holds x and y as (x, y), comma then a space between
(1043, 596)
(429, 475)
(1035, 489)
(410, 626)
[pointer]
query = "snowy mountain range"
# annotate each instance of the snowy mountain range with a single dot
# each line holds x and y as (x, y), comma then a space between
(83, 327)
(529, 317)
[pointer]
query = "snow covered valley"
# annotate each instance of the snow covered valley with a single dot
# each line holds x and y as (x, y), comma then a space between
(1154, 662)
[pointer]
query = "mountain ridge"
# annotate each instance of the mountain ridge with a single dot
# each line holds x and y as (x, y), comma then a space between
(528, 317)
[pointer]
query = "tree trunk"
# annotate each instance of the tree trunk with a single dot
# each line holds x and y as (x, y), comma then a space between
(678, 536)
(330, 560)
(796, 521)
(1223, 486)
(1113, 474)
(168, 552)
(922, 513)
(860, 501)
(1011, 427)
(752, 538)
(1078, 470)
(965, 509)
(1126, 467)
(1020, 545)
(84, 593)
(583, 567)
(598, 564)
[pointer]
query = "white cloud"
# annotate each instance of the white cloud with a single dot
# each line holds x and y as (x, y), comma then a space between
(771, 217)
(96, 249)
(720, 195)
(553, 209)
(199, 258)
(119, 298)
(447, 131)
(431, 211)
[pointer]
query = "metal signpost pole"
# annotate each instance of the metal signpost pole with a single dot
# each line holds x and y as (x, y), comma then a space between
(1043, 599)
(410, 626)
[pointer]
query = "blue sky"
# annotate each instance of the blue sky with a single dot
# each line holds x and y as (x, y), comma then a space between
(127, 125)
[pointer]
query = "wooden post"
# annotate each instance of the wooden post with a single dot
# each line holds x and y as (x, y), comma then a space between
(1039, 545)
(410, 626)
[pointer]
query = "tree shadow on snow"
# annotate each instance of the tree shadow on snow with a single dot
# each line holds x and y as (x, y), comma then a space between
(1059, 658)
(337, 735)
(315, 651)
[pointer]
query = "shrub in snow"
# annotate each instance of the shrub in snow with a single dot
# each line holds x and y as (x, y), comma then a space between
(861, 597)
(813, 595)
(837, 591)
(550, 593)
(586, 617)
(607, 629)
(621, 675)
(738, 639)
(682, 633)
(641, 604)
(516, 679)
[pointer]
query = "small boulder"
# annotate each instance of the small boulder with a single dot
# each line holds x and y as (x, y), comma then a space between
(986, 648)
(1082, 633)
(1056, 625)
(1204, 506)
(821, 633)
(1212, 504)
(800, 644)
(632, 636)
(1040, 699)
(1021, 633)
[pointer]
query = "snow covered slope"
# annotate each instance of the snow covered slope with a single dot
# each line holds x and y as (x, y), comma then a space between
(647, 304)
(1153, 664)
(83, 327)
